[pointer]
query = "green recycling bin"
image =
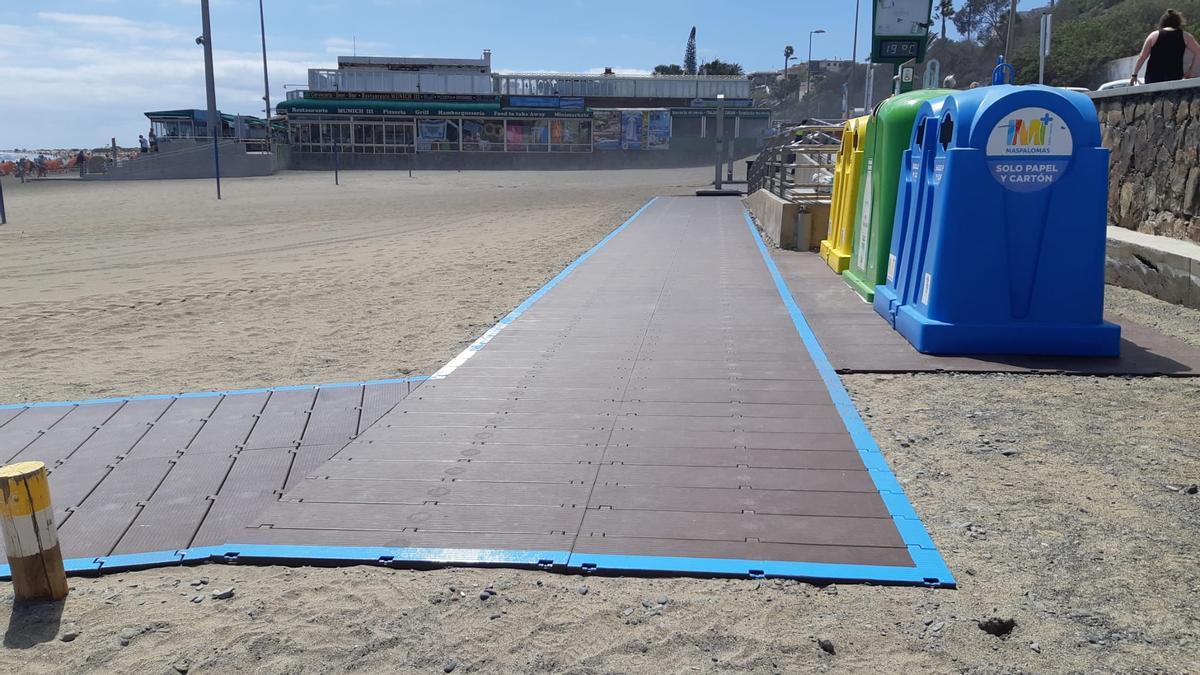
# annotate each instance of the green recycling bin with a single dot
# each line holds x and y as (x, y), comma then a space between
(888, 136)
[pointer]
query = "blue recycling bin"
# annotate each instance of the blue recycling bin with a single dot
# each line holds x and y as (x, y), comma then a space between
(1013, 229)
(911, 222)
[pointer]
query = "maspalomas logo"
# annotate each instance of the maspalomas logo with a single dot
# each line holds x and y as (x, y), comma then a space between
(1030, 135)
(1029, 149)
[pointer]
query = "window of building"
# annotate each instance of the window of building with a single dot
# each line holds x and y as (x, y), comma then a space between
(482, 135)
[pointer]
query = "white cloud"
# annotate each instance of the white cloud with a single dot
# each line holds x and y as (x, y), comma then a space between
(99, 79)
(103, 24)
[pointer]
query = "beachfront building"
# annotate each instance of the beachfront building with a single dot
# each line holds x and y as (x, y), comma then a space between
(179, 129)
(380, 107)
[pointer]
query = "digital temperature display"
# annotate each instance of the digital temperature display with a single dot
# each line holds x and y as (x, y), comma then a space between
(893, 49)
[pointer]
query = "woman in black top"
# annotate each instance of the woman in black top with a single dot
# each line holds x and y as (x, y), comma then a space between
(1165, 49)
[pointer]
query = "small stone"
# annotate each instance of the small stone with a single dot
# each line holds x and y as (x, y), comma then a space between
(197, 599)
(1191, 489)
(484, 596)
(70, 633)
(826, 645)
(182, 666)
(627, 611)
(129, 633)
(662, 599)
(450, 666)
(928, 621)
(647, 604)
(224, 594)
(937, 626)
(831, 590)
(1035, 647)
(583, 590)
(1009, 452)
(495, 616)
(198, 582)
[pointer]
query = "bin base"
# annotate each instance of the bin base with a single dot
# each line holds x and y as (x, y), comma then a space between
(1047, 339)
(864, 289)
(836, 260)
(886, 302)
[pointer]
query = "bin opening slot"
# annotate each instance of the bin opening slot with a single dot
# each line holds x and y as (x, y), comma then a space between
(947, 133)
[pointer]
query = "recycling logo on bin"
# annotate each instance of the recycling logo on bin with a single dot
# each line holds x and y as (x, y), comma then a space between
(1029, 149)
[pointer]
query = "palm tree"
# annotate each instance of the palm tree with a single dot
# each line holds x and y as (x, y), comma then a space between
(787, 56)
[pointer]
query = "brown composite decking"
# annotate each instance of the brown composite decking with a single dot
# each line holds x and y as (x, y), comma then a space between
(658, 409)
(856, 339)
(657, 404)
(161, 473)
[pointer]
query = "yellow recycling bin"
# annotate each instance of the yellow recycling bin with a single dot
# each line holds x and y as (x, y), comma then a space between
(837, 248)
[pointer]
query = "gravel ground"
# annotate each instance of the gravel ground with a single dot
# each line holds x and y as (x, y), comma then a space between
(1177, 320)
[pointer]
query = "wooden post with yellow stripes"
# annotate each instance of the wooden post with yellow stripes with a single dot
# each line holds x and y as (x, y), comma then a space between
(30, 539)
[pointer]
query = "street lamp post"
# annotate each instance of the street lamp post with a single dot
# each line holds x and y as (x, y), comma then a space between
(262, 26)
(808, 83)
(213, 119)
(853, 61)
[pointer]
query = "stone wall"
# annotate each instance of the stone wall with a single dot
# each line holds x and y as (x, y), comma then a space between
(1153, 132)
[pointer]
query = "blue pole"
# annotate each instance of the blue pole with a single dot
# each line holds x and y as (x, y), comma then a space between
(1002, 70)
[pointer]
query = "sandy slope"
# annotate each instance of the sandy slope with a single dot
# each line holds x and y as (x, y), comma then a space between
(153, 287)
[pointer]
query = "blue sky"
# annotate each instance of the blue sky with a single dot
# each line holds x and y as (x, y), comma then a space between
(75, 73)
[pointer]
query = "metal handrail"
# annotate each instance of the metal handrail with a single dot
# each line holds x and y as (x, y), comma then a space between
(815, 145)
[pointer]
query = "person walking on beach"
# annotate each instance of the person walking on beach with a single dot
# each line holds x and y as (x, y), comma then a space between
(143, 144)
(1165, 49)
(81, 162)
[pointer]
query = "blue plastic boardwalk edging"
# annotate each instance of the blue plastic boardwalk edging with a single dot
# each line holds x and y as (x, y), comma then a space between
(210, 394)
(269, 554)
(312, 555)
(929, 569)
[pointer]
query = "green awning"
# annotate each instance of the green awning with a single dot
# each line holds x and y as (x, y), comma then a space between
(196, 115)
(359, 107)
(189, 114)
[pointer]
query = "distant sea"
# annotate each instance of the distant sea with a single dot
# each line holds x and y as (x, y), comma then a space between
(14, 156)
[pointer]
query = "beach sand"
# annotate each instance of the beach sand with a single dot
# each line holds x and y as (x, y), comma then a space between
(1051, 497)
(139, 287)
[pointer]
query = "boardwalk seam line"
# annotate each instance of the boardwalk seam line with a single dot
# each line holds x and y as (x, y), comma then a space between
(495, 330)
